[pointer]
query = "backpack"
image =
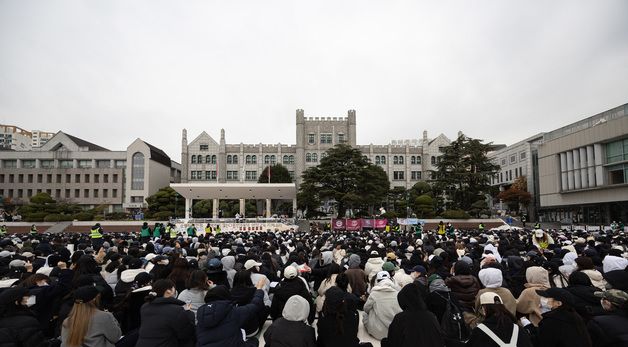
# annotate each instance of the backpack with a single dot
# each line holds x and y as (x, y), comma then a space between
(452, 323)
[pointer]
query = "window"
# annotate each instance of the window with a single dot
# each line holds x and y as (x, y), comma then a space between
(115, 178)
(105, 193)
(95, 193)
(377, 160)
(618, 174)
(398, 175)
(416, 175)
(213, 161)
(326, 139)
(395, 160)
(96, 178)
(251, 159)
(273, 160)
(114, 193)
(418, 159)
(232, 175)
(137, 199)
(285, 160)
(67, 193)
(9, 164)
(29, 192)
(105, 178)
(291, 173)
(513, 159)
(193, 159)
(522, 155)
(267, 159)
(120, 164)
(291, 159)
(203, 147)
(193, 175)
(137, 172)
(85, 164)
(40, 178)
(66, 164)
(341, 138)
(77, 178)
(433, 160)
(503, 162)
(617, 151)
(229, 159)
(314, 157)
(308, 157)
(210, 175)
(251, 175)
(47, 164)
(103, 164)
(86, 193)
(86, 178)
(413, 160)
(58, 178)
(235, 159)
(401, 159)
(28, 164)
(383, 157)
(311, 139)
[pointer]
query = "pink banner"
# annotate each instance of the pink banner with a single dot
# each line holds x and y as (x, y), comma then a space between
(367, 223)
(380, 223)
(354, 224)
(338, 224)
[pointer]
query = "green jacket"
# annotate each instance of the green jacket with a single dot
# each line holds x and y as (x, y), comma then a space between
(157, 231)
(145, 232)
(191, 231)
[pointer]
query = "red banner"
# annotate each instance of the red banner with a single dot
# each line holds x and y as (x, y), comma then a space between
(338, 224)
(380, 223)
(354, 224)
(368, 223)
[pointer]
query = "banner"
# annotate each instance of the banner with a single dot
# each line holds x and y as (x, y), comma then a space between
(380, 223)
(338, 224)
(353, 224)
(368, 223)
(407, 221)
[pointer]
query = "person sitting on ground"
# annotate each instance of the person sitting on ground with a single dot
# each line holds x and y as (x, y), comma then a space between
(291, 329)
(338, 321)
(415, 326)
(499, 327)
(381, 306)
(561, 318)
(292, 284)
(197, 286)
(18, 325)
(491, 279)
(611, 329)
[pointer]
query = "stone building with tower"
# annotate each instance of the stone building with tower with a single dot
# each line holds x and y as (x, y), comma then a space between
(405, 161)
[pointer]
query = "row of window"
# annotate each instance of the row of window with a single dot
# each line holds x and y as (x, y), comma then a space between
(399, 159)
(63, 164)
(250, 175)
(249, 159)
(325, 138)
(513, 158)
(58, 178)
(400, 175)
(61, 193)
(499, 178)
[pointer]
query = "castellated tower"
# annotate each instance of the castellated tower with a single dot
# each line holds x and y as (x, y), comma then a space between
(184, 156)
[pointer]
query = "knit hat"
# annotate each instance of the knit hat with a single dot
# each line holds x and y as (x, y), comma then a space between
(388, 266)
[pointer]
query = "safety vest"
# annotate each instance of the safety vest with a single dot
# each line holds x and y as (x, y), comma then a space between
(172, 231)
(95, 234)
(441, 229)
(34, 230)
(3, 231)
(191, 231)
(537, 226)
(481, 227)
(145, 232)
(218, 229)
(208, 230)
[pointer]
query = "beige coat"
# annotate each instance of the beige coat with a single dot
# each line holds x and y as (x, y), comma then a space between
(529, 301)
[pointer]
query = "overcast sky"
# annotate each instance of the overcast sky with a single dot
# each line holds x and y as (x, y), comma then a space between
(112, 71)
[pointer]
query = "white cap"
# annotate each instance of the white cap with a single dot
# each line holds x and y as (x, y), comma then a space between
(382, 275)
(538, 233)
(251, 264)
(150, 256)
(290, 272)
(490, 298)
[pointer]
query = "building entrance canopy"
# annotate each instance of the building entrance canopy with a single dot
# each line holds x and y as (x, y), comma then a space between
(241, 191)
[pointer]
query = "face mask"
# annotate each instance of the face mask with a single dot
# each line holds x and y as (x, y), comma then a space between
(545, 305)
(32, 300)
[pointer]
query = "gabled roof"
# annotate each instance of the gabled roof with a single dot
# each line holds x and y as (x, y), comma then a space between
(82, 143)
(158, 155)
(441, 136)
(204, 136)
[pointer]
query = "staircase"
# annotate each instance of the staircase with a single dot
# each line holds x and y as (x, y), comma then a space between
(58, 228)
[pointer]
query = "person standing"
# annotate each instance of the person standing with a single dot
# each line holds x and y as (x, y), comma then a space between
(96, 236)
(191, 230)
(145, 232)
(87, 326)
(33, 230)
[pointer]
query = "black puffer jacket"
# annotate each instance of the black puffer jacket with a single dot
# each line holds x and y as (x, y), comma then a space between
(562, 320)
(609, 330)
(20, 328)
(165, 323)
(586, 303)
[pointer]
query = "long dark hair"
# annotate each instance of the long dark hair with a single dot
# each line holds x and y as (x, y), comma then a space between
(180, 272)
(580, 325)
(503, 317)
(197, 280)
(336, 309)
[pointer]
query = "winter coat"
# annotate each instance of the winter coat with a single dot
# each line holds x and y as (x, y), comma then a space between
(20, 328)
(219, 278)
(609, 330)
(479, 339)
(509, 301)
(326, 284)
(290, 330)
(464, 288)
(125, 284)
(128, 314)
(166, 323)
(103, 331)
(228, 263)
(585, 301)
(529, 301)
(286, 289)
(558, 328)
(329, 336)
(401, 278)
(596, 279)
(195, 296)
(357, 280)
(373, 266)
(415, 326)
(219, 322)
(381, 307)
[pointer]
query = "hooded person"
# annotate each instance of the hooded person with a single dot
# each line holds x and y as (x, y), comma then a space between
(18, 325)
(228, 262)
(291, 285)
(583, 291)
(216, 274)
(491, 279)
(338, 322)
(220, 321)
(611, 263)
(415, 326)
(373, 265)
(291, 329)
(529, 302)
(569, 264)
(463, 285)
(381, 306)
(319, 272)
(357, 277)
(585, 265)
